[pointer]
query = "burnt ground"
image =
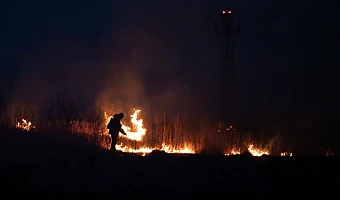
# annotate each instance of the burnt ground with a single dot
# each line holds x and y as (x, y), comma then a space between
(38, 169)
(174, 176)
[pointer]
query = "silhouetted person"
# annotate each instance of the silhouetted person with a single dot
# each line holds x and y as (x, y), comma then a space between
(115, 127)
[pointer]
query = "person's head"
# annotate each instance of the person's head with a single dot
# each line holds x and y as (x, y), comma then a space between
(121, 115)
(115, 116)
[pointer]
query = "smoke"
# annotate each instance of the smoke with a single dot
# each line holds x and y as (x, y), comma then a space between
(56, 69)
(123, 90)
(117, 57)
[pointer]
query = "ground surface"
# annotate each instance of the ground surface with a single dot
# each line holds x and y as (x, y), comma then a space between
(56, 167)
(109, 175)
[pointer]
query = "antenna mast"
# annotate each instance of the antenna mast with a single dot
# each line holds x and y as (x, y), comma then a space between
(226, 31)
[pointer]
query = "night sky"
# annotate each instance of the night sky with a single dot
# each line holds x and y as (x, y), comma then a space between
(287, 55)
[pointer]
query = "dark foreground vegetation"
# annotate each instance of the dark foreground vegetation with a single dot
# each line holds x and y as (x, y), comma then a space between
(63, 114)
(60, 165)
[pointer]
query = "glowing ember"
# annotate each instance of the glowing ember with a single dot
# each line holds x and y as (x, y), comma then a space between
(233, 152)
(25, 125)
(286, 154)
(230, 128)
(136, 132)
(329, 153)
(257, 152)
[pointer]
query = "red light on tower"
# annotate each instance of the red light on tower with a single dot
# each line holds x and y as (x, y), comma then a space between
(226, 12)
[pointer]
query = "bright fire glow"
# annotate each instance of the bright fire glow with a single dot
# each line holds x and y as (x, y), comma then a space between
(257, 152)
(233, 152)
(106, 143)
(136, 132)
(251, 149)
(146, 150)
(25, 125)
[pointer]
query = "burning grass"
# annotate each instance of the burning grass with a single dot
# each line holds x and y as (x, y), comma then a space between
(136, 133)
(25, 125)
(170, 139)
(146, 134)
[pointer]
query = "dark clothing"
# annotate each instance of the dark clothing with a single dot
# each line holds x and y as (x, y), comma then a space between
(115, 127)
(114, 137)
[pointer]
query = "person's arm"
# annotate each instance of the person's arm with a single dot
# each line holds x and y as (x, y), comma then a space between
(121, 130)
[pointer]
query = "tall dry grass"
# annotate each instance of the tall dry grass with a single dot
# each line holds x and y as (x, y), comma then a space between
(63, 115)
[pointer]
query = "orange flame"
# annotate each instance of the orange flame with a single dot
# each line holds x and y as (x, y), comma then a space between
(233, 152)
(146, 150)
(25, 125)
(256, 151)
(251, 149)
(136, 132)
(286, 154)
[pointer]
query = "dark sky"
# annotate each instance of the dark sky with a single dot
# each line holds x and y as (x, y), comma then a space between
(166, 51)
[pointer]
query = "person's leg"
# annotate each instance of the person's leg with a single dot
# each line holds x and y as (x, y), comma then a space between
(114, 141)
